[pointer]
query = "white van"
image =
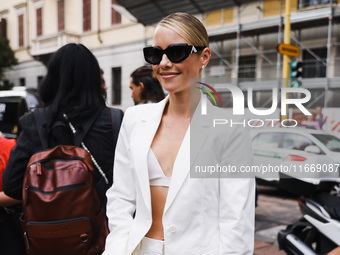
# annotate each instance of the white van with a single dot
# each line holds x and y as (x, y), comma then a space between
(13, 104)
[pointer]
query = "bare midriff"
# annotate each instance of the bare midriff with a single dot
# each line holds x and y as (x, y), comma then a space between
(158, 199)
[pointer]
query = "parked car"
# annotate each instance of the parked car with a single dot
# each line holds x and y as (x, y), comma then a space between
(299, 152)
(13, 104)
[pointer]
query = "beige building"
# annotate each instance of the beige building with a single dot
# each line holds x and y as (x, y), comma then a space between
(244, 36)
(37, 28)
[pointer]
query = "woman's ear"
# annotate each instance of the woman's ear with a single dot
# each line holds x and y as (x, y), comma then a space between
(206, 54)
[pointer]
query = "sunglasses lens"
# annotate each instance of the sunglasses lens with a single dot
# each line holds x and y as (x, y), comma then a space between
(177, 54)
(152, 55)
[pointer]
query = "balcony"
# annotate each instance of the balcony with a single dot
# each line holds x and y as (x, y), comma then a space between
(49, 44)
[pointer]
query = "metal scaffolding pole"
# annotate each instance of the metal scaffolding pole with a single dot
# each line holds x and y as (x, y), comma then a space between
(278, 62)
(238, 43)
(329, 44)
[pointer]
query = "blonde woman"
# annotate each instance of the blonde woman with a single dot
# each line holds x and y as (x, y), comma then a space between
(154, 206)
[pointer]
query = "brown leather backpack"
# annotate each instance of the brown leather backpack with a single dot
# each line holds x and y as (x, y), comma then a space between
(62, 213)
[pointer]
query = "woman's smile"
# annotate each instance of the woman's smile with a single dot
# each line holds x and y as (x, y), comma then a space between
(169, 75)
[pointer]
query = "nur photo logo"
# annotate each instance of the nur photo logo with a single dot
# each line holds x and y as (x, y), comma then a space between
(208, 92)
(238, 100)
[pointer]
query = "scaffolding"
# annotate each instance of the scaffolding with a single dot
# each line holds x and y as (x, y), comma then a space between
(245, 54)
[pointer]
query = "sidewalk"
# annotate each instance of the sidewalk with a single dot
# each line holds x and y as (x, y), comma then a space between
(263, 248)
(273, 213)
(266, 243)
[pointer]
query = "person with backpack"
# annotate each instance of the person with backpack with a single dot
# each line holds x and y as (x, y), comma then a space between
(6, 145)
(74, 124)
(9, 234)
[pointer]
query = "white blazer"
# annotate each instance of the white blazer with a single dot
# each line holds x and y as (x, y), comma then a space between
(208, 216)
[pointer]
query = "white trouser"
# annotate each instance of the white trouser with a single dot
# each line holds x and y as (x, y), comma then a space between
(151, 247)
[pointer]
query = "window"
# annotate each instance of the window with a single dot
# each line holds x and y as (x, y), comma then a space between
(331, 142)
(116, 85)
(306, 3)
(267, 140)
(39, 21)
(219, 17)
(213, 18)
(116, 18)
(247, 68)
(296, 142)
(22, 82)
(39, 80)
(86, 15)
(314, 67)
(3, 28)
(272, 7)
(61, 15)
(317, 99)
(21, 29)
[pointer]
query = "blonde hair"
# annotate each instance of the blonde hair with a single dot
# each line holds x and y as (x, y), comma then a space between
(187, 26)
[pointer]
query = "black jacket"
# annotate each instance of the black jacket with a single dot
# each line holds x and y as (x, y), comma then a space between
(100, 140)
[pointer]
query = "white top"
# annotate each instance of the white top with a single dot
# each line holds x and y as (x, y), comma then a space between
(156, 174)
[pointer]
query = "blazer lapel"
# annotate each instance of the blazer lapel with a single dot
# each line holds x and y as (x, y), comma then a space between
(187, 154)
(180, 170)
(145, 131)
(199, 129)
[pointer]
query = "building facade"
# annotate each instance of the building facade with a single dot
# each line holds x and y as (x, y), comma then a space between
(245, 40)
(37, 28)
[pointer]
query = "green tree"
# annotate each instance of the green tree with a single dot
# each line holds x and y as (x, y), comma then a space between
(7, 60)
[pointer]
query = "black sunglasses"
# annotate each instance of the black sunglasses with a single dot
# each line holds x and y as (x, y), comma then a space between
(175, 52)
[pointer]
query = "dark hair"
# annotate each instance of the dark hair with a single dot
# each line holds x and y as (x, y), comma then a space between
(72, 84)
(153, 90)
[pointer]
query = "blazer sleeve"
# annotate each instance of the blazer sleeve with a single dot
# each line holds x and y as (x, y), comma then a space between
(121, 196)
(237, 198)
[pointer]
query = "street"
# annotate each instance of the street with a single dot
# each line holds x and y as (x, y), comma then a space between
(274, 211)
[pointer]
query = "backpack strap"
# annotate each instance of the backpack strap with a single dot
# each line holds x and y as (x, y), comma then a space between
(116, 119)
(40, 121)
(85, 148)
(80, 135)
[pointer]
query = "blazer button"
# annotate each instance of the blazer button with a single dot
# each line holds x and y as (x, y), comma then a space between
(172, 229)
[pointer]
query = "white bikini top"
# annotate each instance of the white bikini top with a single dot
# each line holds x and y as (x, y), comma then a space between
(156, 174)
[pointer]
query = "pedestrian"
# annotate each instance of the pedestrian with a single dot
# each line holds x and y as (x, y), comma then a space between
(154, 206)
(319, 116)
(103, 84)
(72, 86)
(6, 145)
(310, 123)
(145, 88)
(10, 236)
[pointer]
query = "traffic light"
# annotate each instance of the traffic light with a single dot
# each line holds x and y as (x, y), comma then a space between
(295, 71)
(295, 84)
